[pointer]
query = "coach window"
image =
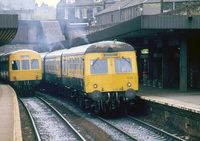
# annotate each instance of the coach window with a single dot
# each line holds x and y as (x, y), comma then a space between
(98, 66)
(78, 64)
(34, 64)
(64, 65)
(59, 64)
(25, 64)
(70, 63)
(123, 65)
(75, 63)
(81, 64)
(15, 65)
(46, 66)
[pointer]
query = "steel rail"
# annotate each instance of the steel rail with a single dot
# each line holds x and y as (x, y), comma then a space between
(155, 128)
(32, 120)
(131, 137)
(68, 123)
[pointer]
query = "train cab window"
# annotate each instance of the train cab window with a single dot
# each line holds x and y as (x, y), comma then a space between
(98, 66)
(34, 64)
(123, 65)
(15, 65)
(25, 64)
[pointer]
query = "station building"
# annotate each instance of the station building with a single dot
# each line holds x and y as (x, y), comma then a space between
(167, 42)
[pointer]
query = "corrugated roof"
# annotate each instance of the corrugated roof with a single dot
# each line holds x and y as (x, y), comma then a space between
(149, 25)
(8, 28)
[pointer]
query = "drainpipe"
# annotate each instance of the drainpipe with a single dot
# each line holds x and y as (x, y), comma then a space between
(161, 4)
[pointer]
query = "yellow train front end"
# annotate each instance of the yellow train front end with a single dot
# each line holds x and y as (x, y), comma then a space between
(25, 70)
(111, 79)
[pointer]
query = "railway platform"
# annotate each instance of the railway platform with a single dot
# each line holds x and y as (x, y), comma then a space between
(10, 125)
(189, 100)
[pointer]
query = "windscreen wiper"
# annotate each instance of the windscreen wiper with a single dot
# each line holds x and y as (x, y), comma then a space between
(33, 61)
(95, 61)
(126, 60)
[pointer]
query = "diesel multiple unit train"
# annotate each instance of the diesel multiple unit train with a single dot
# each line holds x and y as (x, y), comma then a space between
(22, 69)
(100, 76)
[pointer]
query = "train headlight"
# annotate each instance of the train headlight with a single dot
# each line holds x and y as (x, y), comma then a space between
(129, 84)
(95, 86)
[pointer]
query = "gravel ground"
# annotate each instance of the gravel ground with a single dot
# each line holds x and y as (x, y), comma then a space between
(89, 126)
(49, 124)
(168, 127)
(135, 130)
(93, 128)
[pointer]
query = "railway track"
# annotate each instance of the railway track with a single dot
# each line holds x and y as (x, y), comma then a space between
(125, 128)
(159, 131)
(49, 123)
(118, 129)
(138, 130)
(88, 124)
(32, 120)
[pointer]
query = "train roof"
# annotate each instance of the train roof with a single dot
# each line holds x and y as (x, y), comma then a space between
(17, 51)
(57, 53)
(42, 55)
(100, 47)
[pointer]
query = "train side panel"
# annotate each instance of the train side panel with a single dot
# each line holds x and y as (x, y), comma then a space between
(72, 72)
(53, 70)
(53, 66)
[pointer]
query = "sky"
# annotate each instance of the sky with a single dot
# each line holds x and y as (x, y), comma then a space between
(49, 2)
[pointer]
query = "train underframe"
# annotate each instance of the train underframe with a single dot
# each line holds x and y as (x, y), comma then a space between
(109, 101)
(25, 88)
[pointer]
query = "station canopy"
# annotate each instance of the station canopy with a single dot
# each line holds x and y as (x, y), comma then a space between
(8, 28)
